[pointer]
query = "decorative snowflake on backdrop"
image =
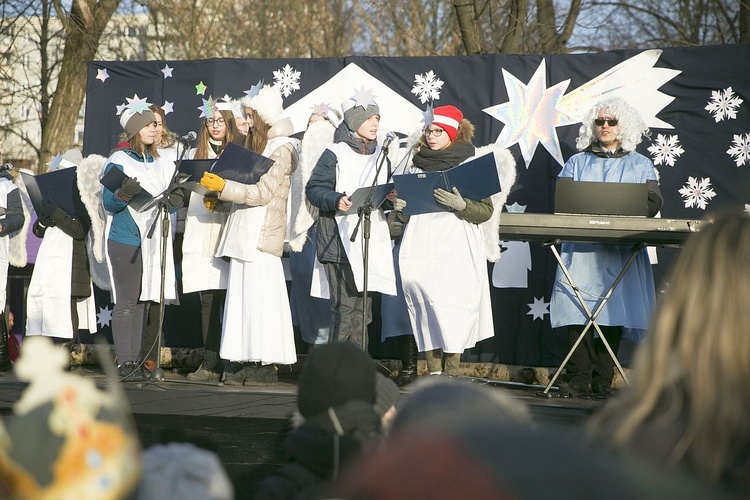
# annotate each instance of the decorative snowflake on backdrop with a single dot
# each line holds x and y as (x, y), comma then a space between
(666, 149)
(427, 87)
(697, 192)
(286, 80)
(538, 308)
(723, 104)
(740, 150)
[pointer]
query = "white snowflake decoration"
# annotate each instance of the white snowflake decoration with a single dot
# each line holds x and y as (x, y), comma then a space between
(427, 87)
(723, 104)
(666, 149)
(286, 80)
(697, 192)
(740, 150)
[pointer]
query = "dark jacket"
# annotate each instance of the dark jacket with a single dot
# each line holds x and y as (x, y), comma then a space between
(321, 192)
(318, 452)
(14, 219)
(77, 228)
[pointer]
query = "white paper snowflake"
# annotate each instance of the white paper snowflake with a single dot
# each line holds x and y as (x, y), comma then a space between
(697, 192)
(286, 80)
(723, 104)
(666, 149)
(740, 150)
(427, 87)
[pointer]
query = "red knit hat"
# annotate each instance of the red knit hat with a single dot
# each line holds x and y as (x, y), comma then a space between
(447, 118)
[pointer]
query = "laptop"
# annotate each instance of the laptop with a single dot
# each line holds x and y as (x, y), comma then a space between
(601, 198)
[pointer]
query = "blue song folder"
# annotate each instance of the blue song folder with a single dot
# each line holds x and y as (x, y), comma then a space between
(475, 180)
(359, 197)
(58, 186)
(241, 165)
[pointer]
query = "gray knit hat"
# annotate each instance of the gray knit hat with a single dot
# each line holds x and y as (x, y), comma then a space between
(355, 116)
(133, 121)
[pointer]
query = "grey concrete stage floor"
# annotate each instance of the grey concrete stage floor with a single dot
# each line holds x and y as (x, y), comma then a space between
(246, 426)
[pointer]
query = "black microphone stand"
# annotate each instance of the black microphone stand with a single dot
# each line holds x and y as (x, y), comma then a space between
(163, 207)
(364, 213)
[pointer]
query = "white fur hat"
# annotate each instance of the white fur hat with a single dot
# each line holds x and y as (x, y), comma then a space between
(268, 104)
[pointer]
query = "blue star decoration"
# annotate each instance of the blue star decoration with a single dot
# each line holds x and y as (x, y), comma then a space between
(538, 308)
(101, 74)
(54, 163)
(208, 108)
(167, 71)
(254, 89)
(120, 108)
(363, 97)
(200, 89)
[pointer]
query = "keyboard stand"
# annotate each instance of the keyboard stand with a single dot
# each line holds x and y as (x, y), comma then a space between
(591, 317)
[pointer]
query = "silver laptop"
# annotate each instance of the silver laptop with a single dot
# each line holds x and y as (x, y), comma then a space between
(601, 198)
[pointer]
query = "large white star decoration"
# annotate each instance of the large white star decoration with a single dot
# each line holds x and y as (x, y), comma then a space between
(530, 115)
(363, 97)
(168, 107)
(254, 89)
(167, 71)
(137, 104)
(538, 308)
(104, 316)
(101, 74)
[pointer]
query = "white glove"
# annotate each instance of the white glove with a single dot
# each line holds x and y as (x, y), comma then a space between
(399, 204)
(452, 200)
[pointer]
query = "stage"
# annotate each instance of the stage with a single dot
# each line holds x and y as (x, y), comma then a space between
(246, 425)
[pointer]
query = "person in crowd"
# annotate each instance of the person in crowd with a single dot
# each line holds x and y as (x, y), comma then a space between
(344, 407)
(60, 292)
(310, 312)
(345, 166)
(202, 270)
(441, 259)
(257, 331)
(11, 221)
(607, 140)
(687, 402)
(134, 259)
(243, 123)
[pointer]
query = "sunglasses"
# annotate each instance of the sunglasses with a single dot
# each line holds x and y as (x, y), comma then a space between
(612, 122)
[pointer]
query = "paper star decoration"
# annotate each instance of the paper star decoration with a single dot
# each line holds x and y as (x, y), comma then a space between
(120, 108)
(200, 89)
(429, 115)
(321, 109)
(254, 89)
(538, 308)
(54, 163)
(363, 97)
(137, 104)
(530, 115)
(515, 208)
(104, 316)
(101, 74)
(167, 71)
(208, 108)
(168, 107)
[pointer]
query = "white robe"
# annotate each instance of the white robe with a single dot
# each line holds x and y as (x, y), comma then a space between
(48, 299)
(6, 186)
(444, 277)
(354, 171)
(154, 177)
(257, 317)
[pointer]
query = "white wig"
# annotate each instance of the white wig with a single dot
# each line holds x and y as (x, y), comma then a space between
(632, 127)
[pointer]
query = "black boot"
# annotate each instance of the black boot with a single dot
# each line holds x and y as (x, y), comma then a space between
(5, 364)
(407, 347)
(210, 370)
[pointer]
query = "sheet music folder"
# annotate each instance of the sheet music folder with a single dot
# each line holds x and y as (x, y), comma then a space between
(475, 180)
(143, 201)
(58, 186)
(241, 165)
(625, 199)
(359, 197)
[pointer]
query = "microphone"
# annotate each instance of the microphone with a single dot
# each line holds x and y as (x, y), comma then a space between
(188, 138)
(388, 140)
(6, 167)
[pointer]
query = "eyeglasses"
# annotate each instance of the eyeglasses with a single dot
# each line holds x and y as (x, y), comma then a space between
(217, 121)
(437, 132)
(612, 122)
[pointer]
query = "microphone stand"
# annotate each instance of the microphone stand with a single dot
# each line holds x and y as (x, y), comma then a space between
(163, 207)
(364, 212)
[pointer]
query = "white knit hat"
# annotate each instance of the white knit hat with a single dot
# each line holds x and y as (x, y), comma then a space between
(268, 104)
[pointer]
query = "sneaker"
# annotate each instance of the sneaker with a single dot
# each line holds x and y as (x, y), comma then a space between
(203, 375)
(574, 388)
(131, 372)
(236, 378)
(601, 391)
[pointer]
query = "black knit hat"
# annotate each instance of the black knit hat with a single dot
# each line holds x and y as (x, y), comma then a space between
(333, 375)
